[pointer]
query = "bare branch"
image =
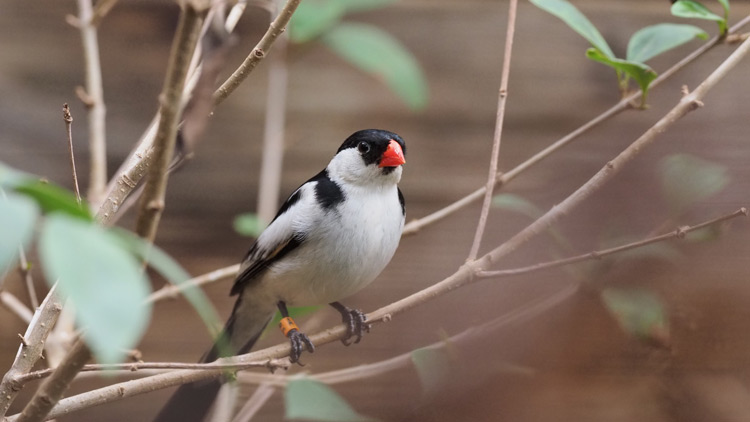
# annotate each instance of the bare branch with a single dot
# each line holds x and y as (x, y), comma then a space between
(259, 52)
(68, 129)
(261, 395)
(172, 290)
(16, 307)
(94, 94)
(36, 333)
(501, 101)
(679, 233)
(186, 39)
(503, 178)
(25, 269)
(100, 11)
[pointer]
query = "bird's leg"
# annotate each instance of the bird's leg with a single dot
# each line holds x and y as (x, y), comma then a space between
(355, 321)
(297, 339)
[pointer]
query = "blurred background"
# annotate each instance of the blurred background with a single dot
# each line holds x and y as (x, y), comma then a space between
(687, 359)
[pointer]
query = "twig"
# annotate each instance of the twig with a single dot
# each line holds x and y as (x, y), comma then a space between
(272, 364)
(501, 101)
(252, 405)
(224, 403)
(87, 21)
(503, 178)
(186, 39)
(273, 134)
(68, 129)
(36, 334)
(25, 269)
(259, 52)
(16, 307)
(678, 233)
(172, 290)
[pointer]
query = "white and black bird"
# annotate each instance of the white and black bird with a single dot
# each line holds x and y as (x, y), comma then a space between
(330, 239)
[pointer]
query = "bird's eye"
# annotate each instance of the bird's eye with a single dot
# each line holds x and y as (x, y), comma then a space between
(363, 147)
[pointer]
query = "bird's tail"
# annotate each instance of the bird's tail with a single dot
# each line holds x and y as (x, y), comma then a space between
(191, 402)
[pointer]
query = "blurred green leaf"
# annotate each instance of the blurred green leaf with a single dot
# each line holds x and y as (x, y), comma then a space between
(312, 400)
(638, 312)
(18, 215)
(577, 21)
(518, 204)
(656, 39)
(104, 281)
(380, 54)
(171, 270)
(248, 224)
(687, 179)
(53, 198)
(433, 367)
(641, 73)
(10, 177)
(364, 5)
(693, 9)
(725, 5)
(314, 17)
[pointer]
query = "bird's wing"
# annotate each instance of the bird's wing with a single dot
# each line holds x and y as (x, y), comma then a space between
(286, 232)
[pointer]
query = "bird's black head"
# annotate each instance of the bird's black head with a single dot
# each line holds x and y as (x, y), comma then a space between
(372, 145)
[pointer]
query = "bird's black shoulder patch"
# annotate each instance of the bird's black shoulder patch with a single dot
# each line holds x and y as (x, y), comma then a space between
(327, 192)
(401, 201)
(289, 202)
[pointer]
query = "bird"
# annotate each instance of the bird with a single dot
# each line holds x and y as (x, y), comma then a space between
(332, 237)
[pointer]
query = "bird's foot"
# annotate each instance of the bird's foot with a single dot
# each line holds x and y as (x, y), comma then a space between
(297, 339)
(356, 325)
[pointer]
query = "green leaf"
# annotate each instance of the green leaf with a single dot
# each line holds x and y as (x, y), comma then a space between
(577, 21)
(248, 224)
(725, 5)
(312, 400)
(314, 17)
(10, 177)
(171, 270)
(383, 56)
(53, 198)
(641, 73)
(693, 9)
(515, 203)
(654, 40)
(638, 312)
(687, 179)
(433, 367)
(18, 215)
(105, 283)
(364, 5)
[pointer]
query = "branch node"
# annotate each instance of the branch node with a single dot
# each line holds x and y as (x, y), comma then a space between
(87, 100)
(610, 165)
(73, 21)
(682, 231)
(387, 318)
(23, 340)
(696, 104)
(595, 255)
(259, 53)
(743, 211)
(685, 91)
(155, 205)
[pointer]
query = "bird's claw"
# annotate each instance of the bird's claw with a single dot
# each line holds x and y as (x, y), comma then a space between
(299, 340)
(356, 325)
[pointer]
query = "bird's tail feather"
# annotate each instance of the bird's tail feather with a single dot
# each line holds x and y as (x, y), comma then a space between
(191, 402)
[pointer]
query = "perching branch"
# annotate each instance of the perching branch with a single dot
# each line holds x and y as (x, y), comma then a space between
(88, 18)
(186, 39)
(624, 104)
(31, 348)
(494, 158)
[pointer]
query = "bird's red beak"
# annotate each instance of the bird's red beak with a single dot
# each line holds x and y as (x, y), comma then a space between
(393, 156)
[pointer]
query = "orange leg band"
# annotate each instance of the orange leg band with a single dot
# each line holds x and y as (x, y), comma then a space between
(287, 324)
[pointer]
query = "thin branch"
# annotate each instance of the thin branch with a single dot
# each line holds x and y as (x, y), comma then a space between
(16, 307)
(25, 269)
(259, 52)
(186, 39)
(503, 178)
(36, 333)
(94, 94)
(679, 233)
(271, 364)
(501, 101)
(173, 290)
(68, 129)
(100, 11)
(252, 405)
